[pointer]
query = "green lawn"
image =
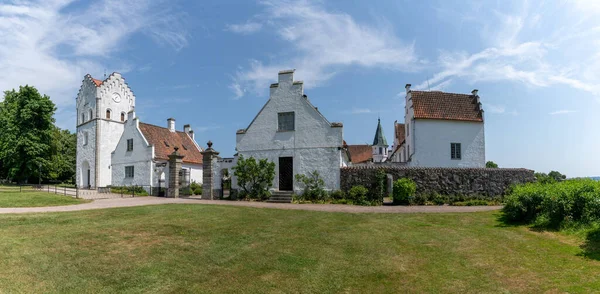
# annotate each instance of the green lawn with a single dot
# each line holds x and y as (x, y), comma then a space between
(206, 248)
(31, 199)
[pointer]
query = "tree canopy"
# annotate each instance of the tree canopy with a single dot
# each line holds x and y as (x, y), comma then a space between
(30, 143)
(491, 164)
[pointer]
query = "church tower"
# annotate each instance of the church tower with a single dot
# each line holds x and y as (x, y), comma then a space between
(380, 145)
(102, 108)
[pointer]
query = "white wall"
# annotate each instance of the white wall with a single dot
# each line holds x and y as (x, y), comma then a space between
(432, 140)
(313, 144)
(195, 171)
(86, 101)
(141, 158)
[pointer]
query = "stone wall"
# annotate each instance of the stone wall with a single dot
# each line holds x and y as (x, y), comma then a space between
(446, 181)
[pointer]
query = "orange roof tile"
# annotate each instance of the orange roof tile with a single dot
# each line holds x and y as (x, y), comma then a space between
(450, 106)
(97, 82)
(164, 141)
(400, 132)
(360, 153)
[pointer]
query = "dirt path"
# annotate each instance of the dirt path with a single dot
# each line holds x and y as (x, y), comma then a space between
(141, 201)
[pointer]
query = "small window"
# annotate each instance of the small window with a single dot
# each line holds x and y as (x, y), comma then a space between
(85, 139)
(122, 116)
(407, 129)
(91, 115)
(286, 121)
(380, 150)
(455, 151)
(129, 171)
(108, 114)
(129, 144)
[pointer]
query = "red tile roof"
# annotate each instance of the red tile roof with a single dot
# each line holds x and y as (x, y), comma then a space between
(97, 82)
(360, 153)
(164, 141)
(450, 106)
(399, 130)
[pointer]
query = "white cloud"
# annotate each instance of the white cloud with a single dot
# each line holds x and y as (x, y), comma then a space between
(322, 42)
(493, 108)
(246, 28)
(360, 110)
(237, 90)
(563, 111)
(525, 46)
(51, 46)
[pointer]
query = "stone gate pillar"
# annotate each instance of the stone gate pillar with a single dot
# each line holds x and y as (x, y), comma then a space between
(175, 161)
(209, 158)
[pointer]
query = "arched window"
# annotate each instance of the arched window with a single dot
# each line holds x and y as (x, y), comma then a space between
(108, 114)
(122, 116)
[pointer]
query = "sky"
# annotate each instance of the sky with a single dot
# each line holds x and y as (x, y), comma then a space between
(209, 64)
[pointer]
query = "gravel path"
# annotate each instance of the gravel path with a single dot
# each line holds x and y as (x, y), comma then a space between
(141, 201)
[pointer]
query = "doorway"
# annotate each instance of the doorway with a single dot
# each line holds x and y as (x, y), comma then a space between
(286, 173)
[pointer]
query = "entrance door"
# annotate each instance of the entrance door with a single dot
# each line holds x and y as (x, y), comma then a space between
(286, 173)
(88, 179)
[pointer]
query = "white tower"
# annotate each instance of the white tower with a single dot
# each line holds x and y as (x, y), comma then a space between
(102, 108)
(380, 145)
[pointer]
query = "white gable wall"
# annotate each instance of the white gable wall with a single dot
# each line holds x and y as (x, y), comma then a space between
(140, 157)
(314, 144)
(432, 140)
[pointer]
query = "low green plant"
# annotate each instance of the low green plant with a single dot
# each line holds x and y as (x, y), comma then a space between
(129, 190)
(337, 195)
(314, 187)
(358, 195)
(196, 188)
(473, 203)
(404, 190)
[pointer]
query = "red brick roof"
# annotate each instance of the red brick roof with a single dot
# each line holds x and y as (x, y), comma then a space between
(450, 106)
(164, 141)
(97, 82)
(400, 132)
(360, 153)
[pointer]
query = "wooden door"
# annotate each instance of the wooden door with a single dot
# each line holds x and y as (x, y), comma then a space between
(286, 173)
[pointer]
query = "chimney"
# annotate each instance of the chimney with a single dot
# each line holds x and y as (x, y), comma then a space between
(407, 87)
(171, 124)
(191, 133)
(474, 92)
(286, 76)
(130, 115)
(187, 128)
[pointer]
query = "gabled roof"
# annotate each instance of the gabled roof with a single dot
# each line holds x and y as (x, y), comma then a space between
(448, 106)
(165, 141)
(379, 139)
(399, 131)
(360, 153)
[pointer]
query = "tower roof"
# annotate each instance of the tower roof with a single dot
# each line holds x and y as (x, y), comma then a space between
(379, 139)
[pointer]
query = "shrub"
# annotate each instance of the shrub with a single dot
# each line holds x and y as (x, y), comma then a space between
(313, 187)
(337, 195)
(473, 203)
(196, 188)
(254, 178)
(404, 190)
(358, 195)
(380, 188)
(554, 204)
(129, 190)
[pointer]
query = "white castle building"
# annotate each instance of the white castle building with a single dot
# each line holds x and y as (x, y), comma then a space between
(115, 149)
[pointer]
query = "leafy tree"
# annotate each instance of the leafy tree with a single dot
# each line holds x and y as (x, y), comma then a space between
(61, 167)
(254, 177)
(557, 176)
(491, 164)
(26, 132)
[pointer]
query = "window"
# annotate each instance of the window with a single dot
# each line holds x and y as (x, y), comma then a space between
(407, 129)
(108, 114)
(455, 151)
(286, 121)
(380, 150)
(91, 115)
(129, 171)
(85, 139)
(129, 144)
(82, 117)
(122, 116)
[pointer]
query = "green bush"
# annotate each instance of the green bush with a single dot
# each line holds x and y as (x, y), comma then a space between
(314, 187)
(196, 188)
(129, 190)
(554, 204)
(404, 190)
(337, 195)
(254, 177)
(473, 203)
(358, 195)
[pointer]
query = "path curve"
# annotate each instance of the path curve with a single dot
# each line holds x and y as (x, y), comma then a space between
(141, 201)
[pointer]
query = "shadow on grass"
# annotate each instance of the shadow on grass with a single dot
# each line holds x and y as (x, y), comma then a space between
(591, 246)
(504, 222)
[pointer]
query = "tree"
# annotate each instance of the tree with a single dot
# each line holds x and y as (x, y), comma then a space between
(557, 176)
(314, 186)
(26, 129)
(61, 166)
(255, 178)
(491, 164)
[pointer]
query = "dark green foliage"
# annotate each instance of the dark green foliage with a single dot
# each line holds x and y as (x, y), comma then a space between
(358, 195)
(491, 164)
(313, 187)
(380, 188)
(254, 177)
(61, 166)
(337, 195)
(557, 176)
(555, 204)
(551, 177)
(473, 203)
(404, 190)
(129, 190)
(196, 188)
(26, 133)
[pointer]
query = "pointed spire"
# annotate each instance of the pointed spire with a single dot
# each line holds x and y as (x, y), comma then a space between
(379, 139)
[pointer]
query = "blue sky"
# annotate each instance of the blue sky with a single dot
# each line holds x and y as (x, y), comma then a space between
(209, 63)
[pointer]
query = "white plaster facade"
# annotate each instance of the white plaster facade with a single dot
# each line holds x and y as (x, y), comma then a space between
(93, 101)
(315, 144)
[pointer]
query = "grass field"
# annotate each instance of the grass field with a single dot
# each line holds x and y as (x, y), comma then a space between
(198, 248)
(35, 199)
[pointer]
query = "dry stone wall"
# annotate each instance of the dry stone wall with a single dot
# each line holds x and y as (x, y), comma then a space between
(445, 181)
